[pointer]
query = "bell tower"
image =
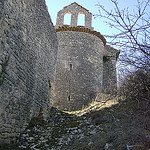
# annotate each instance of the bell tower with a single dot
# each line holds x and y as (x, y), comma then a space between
(75, 10)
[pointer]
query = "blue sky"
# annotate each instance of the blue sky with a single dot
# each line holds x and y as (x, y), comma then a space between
(98, 23)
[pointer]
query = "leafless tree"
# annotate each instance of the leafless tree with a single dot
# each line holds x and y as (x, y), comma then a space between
(132, 33)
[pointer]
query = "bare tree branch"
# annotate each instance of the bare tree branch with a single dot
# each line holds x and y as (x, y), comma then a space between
(132, 32)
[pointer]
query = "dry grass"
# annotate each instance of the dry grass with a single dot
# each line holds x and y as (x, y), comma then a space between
(101, 101)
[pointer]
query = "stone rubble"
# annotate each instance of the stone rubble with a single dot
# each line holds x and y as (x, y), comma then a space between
(39, 136)
(78, 132)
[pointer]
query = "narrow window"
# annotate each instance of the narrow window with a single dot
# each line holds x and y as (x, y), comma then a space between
(81, 20)
(70, 67)
(69, 98)
(67, 19)
(49, 83)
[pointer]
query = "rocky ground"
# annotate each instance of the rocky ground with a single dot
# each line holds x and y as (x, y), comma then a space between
(123, 126)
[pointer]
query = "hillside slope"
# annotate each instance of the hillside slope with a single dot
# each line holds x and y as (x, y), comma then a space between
(123, 126)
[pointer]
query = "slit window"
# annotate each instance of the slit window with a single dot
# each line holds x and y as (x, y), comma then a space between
(49, 84)
(70, 67)
(69, 98)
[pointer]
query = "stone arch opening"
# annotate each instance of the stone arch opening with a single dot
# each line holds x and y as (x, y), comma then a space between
(67, 18)
(81, 19)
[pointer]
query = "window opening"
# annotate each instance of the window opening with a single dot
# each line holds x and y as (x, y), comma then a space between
(49, 83)
(70, 67)
(69, 98)
(67, 18)
(81, 19)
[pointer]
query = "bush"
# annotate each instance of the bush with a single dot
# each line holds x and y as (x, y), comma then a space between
(136, 86)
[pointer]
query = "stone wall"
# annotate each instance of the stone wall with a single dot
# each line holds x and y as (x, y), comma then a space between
(79, 71)
(109, 69)
(28, 52)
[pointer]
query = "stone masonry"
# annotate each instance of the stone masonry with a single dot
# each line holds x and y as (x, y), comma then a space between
(74, 9)
(85, 65)
(28, 51)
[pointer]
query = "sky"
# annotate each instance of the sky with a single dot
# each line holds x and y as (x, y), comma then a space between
(98, 23)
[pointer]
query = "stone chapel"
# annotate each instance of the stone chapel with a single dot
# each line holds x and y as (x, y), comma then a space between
(85, 64)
